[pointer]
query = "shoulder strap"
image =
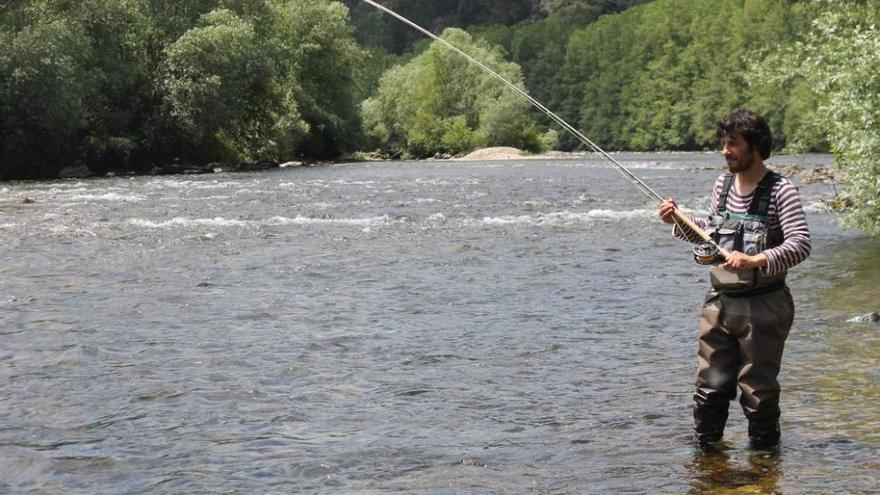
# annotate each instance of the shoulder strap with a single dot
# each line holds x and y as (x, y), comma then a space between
(761, 200)
(725, 190)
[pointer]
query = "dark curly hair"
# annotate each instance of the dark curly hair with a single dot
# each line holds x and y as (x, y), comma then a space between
(751, 126)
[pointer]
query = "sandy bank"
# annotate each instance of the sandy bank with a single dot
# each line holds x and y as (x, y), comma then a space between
(496, 153)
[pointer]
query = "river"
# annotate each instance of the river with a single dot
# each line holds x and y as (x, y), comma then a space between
(419, 327)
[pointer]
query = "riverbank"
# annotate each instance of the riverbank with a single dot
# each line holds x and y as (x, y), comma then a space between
(807, 168)
(81, 171)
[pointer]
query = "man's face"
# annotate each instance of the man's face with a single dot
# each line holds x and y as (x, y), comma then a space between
(737, 152)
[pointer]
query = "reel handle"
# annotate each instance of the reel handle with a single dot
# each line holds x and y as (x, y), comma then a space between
(700, 232)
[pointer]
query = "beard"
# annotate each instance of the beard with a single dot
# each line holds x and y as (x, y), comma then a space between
(740, 164)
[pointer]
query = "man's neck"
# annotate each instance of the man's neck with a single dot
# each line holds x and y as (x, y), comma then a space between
(747, 180)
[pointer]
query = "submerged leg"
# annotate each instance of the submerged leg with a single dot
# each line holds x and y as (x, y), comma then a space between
(718, 359)
(761, 344)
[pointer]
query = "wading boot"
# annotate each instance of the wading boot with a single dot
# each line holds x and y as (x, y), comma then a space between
(709, 421)
(763, 434)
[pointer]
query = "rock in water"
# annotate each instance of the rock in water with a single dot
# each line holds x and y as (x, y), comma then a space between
(868, 318)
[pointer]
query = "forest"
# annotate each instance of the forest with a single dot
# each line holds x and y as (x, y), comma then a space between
(131, 86)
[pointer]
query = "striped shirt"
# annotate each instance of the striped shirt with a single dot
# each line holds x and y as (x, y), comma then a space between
(785, 213)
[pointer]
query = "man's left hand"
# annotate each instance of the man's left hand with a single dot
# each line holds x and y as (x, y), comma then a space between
(742, 261)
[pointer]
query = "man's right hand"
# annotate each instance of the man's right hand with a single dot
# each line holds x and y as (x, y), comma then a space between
(667, 208)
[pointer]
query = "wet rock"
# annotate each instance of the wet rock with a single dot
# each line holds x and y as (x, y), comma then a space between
(180, 167)
(473, 462)
(77, 170)
(28, 201)
(808, 174)
(866, 318)
(245, 167)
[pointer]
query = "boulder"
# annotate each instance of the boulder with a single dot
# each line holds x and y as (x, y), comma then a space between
(77, 170)
(866, 318)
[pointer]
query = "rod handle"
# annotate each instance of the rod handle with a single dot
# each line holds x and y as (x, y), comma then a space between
(700, 232)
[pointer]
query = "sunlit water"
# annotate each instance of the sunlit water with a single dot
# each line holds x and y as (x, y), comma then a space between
(430, 328)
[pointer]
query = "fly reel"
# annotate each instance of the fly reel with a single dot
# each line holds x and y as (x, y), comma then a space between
(707, 254)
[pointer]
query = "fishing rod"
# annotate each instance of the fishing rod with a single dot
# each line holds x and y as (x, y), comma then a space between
(633, 178)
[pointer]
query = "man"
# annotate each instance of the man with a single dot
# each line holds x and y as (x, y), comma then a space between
(757, 216)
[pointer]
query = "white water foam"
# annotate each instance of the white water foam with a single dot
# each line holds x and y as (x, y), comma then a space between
(134, 198)
(274, 221)
(570, 218)
(192, 184)
(360, 222)
(187, 222)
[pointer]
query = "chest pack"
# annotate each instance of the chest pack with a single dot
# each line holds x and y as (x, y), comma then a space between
(749, 233)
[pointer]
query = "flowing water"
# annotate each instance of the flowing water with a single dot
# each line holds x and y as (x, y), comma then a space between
(429, 328)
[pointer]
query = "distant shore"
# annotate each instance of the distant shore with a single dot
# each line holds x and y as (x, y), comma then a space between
(804, 169)
(809, 173)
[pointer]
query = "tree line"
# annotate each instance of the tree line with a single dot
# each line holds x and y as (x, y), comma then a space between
(375, 29)
(128, 85)
(132, 84)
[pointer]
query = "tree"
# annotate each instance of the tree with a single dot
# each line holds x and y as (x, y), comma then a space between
(440, 103)
(839, 58)
(659, 75)
(582, 12)
(537, 47)
(219, 88)
(45, 88)
(314, 46)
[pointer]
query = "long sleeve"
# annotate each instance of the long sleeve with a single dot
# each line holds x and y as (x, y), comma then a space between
(791, 218)
(686, 233)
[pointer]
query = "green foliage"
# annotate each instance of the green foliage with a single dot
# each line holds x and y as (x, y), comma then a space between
(659, 75)
(375, 29)
(536, 46)
(378, 61)
(286, 89)
(315, 47)
(220, 89)
(838, 58)
(44, 93)
(127, 84)
(440, 103)
(581, 12)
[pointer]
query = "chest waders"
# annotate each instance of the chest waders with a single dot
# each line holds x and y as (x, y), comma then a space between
(743, 326)
(748, 233)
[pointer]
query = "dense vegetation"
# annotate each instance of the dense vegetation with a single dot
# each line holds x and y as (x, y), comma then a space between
(135, 84)
(128, 84)
(439, 102)
(378, 30)
(839, 58)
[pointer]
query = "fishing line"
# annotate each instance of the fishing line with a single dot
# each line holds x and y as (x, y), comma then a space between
(633, 178)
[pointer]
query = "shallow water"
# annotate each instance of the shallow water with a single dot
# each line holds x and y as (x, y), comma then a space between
(432, 328)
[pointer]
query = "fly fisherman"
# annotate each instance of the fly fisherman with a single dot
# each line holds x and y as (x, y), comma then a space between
(756, 216)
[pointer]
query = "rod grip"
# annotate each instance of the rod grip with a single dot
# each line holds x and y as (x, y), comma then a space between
(700, 232)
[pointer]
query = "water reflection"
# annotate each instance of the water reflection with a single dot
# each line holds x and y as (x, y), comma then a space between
(717, 473)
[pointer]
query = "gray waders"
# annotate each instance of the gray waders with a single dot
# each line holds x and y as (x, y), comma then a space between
(743, 326)
(741, 343)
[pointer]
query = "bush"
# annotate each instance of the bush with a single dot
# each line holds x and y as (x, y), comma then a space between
(440, 103)
(219, 86)
(838, 58)
(45, 88)
(313, 45)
